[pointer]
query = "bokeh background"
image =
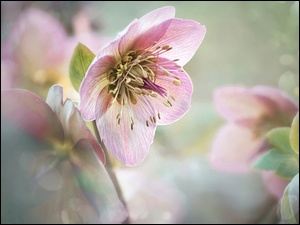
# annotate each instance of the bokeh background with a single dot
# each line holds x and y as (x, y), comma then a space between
(247, 43)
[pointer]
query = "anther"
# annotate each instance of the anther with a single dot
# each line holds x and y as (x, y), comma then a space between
(166, 72)
(153, 95)
(158, 115)
(118, 116)
(138, 90)
(177, 82)
(151, 119)
(139, 80)
(145, 74)
(166, 47)
(147, 123)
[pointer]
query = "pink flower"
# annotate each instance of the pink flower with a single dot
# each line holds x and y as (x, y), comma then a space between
(36, 42)
(52, 172)
(137, 82)
(250, 114)
(38, 51)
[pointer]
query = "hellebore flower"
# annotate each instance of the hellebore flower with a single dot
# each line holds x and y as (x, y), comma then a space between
(37, 52)
(137, 82)
(250, 113)
(53, 172)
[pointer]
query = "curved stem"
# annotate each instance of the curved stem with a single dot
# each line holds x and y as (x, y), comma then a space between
(111, 173)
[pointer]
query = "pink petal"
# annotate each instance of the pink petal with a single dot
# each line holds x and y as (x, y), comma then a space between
(94, 81)
(239, 104)
(138, 27)
(182, 93)
(37, 40)
(274, 184)
(74, 126)
(130, 147)
(157, 16)
(29, 112)
(10, 76)
(184, 36)
(235, 149)
(284, 102)
(110, 49)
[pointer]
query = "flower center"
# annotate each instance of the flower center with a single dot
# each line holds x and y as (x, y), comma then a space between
(135, 76)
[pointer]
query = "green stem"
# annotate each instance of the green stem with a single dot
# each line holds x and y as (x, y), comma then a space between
(111, 173)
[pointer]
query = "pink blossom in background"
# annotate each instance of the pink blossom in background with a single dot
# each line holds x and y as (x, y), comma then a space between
(137, 82)
(58, 176)
(31, 45)
(250, 113)
(40, 50)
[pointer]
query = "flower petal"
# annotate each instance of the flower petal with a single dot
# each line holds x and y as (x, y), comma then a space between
(10, 75)
(94, 81)
(130, 147)
(138, 27)
(235, 149)
(34, 46)
(184, 36)
(47, 187)
(274, 184)
(283, 101)
(96, 185)
(239, 104)
(181, 93)
(29, 112)
(74, 126)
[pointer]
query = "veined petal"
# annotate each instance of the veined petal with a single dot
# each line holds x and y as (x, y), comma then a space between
(110, 49)
(184, 36)
(129, 146)
(146, 23)
(178, 95)
(157, 16)
(235, 149)
(94, 81)
(239, 104)
(283, 101)
(28, 111)
(74, 126)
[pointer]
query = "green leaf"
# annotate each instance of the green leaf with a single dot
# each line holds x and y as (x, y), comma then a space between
(80, 62)
(289, 204)
(294, 134)
(279, 138)
(285, 165)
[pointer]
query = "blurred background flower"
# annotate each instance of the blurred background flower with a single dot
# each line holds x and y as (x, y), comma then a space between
(57, 174)
(247, 43)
